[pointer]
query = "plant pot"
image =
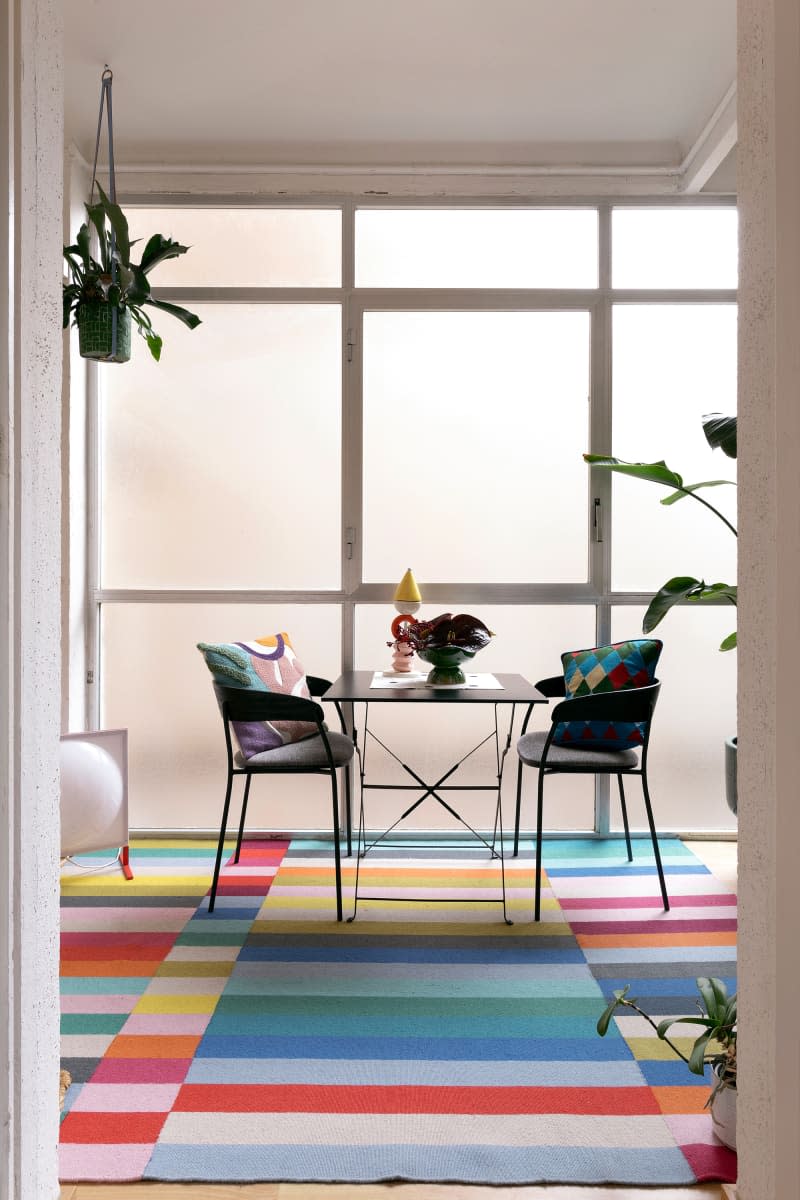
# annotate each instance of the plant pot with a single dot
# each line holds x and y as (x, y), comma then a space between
(723, 1115)
(446, 662)
(730, 773)
(96, 320)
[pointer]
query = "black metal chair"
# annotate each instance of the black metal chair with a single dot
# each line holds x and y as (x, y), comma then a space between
(538, 750)
(322, 754)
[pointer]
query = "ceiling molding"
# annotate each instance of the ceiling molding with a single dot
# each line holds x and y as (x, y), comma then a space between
(714, 144)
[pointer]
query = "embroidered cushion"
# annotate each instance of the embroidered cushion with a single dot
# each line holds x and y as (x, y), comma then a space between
(268, 664)
(607, 669)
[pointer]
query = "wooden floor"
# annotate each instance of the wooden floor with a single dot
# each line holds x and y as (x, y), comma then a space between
(720, 857)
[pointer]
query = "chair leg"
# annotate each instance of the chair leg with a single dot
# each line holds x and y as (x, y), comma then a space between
(244, 814)
(348, 814)
(518, 809)
(654, 838)
(539, 812)
(337, 854)
(221, 843)
(625, 818)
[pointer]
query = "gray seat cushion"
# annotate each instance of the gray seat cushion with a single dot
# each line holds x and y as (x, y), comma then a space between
(310, 753)
(530, 749)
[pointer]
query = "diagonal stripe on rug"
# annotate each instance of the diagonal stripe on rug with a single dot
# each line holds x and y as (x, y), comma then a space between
(425, 1041)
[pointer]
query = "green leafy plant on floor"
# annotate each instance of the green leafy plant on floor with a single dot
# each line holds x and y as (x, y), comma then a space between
(720, 431)
(91, 279)
(715, 1046)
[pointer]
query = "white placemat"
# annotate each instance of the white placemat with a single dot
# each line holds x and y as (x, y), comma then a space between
(418, 679)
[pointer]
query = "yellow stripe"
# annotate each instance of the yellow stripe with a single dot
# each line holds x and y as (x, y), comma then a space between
(176, 1004)
(654, 1050)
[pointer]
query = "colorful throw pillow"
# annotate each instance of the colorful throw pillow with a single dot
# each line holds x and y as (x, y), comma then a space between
(268, 664)
(607, 669)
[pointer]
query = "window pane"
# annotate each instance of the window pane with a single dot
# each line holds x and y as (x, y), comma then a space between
(674, 247)
(454, 248)
(272, 247)
(696, 712)
(221, 463)
(528, 641)
(156, 685)
(672, 364)
(474, 427)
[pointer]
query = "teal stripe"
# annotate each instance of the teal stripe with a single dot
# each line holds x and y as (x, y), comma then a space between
(104, 985)
(550, 990)
(92, 1022)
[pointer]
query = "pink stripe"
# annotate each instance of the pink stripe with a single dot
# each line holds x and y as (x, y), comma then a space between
(98, 1162)
(142, 1070)
(166, 1023)
(125, 1097)
(693, 1129)
(665, 926)
(98, 1004)
(720, 899)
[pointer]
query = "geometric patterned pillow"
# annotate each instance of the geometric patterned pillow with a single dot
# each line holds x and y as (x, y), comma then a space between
(268, 664)
(629, 664)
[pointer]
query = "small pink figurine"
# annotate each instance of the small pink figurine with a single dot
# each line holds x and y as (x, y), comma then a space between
(403, 650)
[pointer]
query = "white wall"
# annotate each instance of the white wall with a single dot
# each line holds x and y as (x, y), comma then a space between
(769, 613)
(30, 677)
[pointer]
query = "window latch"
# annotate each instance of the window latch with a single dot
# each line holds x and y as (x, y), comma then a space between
(597, 520)
(349, 541)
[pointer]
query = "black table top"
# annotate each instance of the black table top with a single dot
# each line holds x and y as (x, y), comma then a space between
(355, 686)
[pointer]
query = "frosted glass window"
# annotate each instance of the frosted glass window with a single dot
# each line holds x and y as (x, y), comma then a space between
(474, 427)
(221, 464)
(674, 247)
(672, 364)
(245, 247)
(528, 641)
(696, 712)
(455, 248)
(157, 686)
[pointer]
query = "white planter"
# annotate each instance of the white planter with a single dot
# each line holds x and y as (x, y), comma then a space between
(723, 1116)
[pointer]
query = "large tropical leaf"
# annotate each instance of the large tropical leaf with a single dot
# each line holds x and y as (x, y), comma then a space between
(119, 223)
(188, 318)
(694, 487)
(720, 431)
(655, 472)
(683, 587)
(158, 249)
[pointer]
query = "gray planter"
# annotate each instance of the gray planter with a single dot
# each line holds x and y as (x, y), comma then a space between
(730, 773)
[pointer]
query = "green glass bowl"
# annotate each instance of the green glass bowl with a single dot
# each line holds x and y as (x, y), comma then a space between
(446, 662)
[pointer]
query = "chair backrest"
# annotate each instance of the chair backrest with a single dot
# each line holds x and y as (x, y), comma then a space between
(251, 712)
(628, 709)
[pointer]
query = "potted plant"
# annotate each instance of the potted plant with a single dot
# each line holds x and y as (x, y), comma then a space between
(715, 1046)
(720, 431)
(446, 643)
(104, 293)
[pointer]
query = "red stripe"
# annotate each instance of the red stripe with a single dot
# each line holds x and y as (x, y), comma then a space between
(112, 1128)
(321, 1098)
(104, 953)
(665, 926)
(141, 1070)
(647, 902)
(141, 938)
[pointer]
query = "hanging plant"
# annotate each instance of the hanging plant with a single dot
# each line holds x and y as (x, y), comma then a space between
(106, 290)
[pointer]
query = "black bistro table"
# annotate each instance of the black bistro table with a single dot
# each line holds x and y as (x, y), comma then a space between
(355, 688)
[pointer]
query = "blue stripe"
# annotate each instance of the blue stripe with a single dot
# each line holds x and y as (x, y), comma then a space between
(665, 986)
(455, 1163)
(360, 1072)
(386, 952)
(402, 1023)
(579, 1045)
(666, 1073)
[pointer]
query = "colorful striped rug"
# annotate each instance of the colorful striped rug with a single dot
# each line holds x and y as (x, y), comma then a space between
(425, 1041)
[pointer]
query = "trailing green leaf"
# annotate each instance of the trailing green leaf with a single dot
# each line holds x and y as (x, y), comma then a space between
(654, 472)
(690, 488)
(721, 431)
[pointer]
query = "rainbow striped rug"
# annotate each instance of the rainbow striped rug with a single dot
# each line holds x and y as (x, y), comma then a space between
(425, 1041)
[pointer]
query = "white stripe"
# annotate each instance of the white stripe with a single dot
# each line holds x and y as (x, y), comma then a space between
(437, 1129)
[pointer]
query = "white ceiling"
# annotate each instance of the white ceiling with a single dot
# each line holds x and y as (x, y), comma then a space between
(531, 83)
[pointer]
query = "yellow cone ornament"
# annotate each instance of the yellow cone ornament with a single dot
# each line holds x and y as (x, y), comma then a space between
(407, 598)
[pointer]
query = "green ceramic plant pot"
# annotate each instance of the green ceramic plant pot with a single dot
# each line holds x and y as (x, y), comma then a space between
(96, 332)
(446, 662)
